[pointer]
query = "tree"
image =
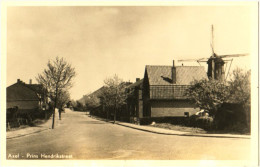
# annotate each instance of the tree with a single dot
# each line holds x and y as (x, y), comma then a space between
(113, 94)
(73, 104)
(208, 94)
(57, 77)
(78, 106)
(240, 86)
(63, 98)
(240, 91)
(92, 102)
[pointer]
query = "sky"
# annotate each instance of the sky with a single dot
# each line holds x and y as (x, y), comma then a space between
(106, 40)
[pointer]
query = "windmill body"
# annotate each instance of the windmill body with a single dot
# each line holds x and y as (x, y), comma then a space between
(216, 68)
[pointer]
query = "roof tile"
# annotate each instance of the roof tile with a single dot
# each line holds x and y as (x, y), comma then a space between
(162, 75)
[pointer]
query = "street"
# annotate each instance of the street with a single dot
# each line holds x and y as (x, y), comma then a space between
(82, 137)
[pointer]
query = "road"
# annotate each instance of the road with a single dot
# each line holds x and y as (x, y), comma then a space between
(80, 137)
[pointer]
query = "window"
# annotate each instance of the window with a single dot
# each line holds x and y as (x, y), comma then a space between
(186, 114)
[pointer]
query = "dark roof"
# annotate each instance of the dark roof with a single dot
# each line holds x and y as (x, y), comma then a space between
(162, 75)
(136, 84)
(19, 91)
(22, 91)
(161, 80)
(96, 93)
(35, 87)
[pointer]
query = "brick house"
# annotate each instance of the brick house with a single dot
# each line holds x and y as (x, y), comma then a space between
(164, 88)
(26, 96)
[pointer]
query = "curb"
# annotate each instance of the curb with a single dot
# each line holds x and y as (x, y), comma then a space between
(194, 135)
(37, 131)
(26, 134)
(163, 133)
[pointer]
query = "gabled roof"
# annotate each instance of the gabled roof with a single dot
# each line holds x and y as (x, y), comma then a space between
(159, 75)
(23, 91)
(96, 93)
(137, 83)
(19, 91)
(186, 74)
(36, 87)
(162, 75)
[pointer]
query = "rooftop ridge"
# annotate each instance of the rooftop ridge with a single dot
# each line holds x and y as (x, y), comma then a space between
(170, 66)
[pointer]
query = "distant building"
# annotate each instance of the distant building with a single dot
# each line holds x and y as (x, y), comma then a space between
(93, 102)
(26, 96)
(96, 106)
(164, 90)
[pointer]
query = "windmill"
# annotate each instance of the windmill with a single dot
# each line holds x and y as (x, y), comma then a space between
(216, 62)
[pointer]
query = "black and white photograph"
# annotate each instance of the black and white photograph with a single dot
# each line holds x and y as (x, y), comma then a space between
(126, 82)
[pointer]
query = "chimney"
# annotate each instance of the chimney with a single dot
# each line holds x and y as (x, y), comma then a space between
(137, 79)
(173, 73)
(30, 81)
(18, 80)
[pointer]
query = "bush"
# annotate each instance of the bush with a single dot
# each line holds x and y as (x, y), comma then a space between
(26, 116)
(204, 122)
(232, 117)
(228, 103)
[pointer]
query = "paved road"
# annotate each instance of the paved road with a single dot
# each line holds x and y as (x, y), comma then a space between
(85, 138)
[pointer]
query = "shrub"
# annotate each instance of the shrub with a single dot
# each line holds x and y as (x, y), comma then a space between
(216, 97)
(208, 94)
(204, 122)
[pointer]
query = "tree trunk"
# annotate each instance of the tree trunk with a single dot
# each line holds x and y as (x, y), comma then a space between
(45, 115)
(115, 115)
(107, 113)
(59, 114)
(55, 104)
(53, 118)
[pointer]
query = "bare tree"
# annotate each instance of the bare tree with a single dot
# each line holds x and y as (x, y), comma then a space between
(92, 102)
(63, 98)
(57, 77)
(114, 93)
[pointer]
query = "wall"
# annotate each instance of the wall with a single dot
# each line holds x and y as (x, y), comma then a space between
(23, 104)
(172, 108)
(146, 96)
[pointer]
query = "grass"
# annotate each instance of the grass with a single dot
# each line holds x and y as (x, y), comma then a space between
(195, 130)
(192, 130)
(17, 128)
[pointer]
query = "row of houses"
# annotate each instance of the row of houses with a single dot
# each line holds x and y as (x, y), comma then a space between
(161, 93)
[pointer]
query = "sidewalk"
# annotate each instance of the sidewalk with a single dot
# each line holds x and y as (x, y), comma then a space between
(173, 132)
(35, 129)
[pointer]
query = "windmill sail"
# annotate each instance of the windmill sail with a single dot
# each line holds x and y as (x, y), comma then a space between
(212, 39)
(233, 55)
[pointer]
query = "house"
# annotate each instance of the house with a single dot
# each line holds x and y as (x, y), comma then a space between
(134, 101)
(97, 105)
(93, 102)
(26, 96)
(164, 90)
